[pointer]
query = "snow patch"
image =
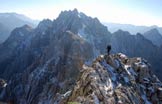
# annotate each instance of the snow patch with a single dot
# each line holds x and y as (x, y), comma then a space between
(102, 56)
(79, 15)
(81, 32)
(122, 55)
(129, 70)
(67, 94)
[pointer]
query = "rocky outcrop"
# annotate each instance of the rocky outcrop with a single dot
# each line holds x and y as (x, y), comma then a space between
(116, 79)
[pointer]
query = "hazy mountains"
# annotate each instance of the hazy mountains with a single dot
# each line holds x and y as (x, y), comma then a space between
(9, 21)
(137, 45)
(131, 28)
(4, 32)
(152, 33)
(154, 36)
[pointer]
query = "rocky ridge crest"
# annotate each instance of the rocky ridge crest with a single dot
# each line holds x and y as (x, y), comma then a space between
(116, 79)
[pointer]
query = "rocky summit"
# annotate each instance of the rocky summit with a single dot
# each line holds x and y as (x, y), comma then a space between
(115, 79)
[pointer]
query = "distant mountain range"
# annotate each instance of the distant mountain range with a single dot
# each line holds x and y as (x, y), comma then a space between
(154, 36)
(9, 21)
(40, 63)
(113, 27)
(152, 33)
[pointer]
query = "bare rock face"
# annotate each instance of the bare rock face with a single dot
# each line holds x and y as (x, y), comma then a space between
(54, 72)
(13, 49)
(116, 79)
(46, 60)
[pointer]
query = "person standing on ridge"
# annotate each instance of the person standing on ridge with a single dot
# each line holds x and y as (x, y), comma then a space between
(108, 49)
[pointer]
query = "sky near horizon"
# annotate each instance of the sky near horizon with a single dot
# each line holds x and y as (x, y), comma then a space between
(136, 12)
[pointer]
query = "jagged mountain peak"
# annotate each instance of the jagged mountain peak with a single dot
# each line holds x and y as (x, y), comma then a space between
(18, 36)
(44, 25)
(153, 31)
(154, 36)
(27, 27)
(80, 24)
(20, 31)
(73, 12)
(116, 79)
(121, 32)
(44, 22)
(139, 35)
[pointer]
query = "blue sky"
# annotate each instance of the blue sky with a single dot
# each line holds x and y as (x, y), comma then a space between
(137, 12)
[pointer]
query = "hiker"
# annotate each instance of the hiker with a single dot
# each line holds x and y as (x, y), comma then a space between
(108, 49)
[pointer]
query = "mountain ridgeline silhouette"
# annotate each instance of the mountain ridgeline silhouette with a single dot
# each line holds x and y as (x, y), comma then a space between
(10, 21)
(41, 62)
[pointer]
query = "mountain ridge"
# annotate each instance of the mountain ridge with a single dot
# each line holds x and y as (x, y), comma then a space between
(133, 29)
(115, 79)
(154, 36)
(11, 21)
